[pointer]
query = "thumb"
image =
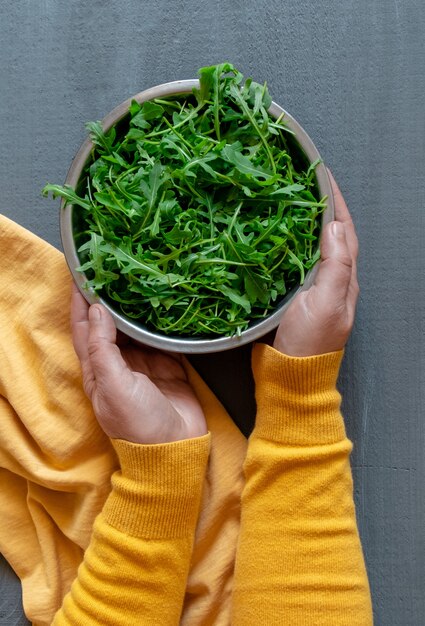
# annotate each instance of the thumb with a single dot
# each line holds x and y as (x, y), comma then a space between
(334, 274)
(105, 356)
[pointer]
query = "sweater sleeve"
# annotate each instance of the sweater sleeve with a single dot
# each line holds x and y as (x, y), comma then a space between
(135, 568)
(299, 559)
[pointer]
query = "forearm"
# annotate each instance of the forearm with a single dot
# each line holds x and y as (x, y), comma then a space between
(135, 568)
(299, 558)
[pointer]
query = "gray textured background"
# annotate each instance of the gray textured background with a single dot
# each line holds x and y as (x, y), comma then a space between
(352, 72)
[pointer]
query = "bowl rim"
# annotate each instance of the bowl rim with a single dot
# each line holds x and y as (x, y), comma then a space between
(135, 330)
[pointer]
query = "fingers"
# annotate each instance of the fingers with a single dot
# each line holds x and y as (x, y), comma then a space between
(80, 334)
(106, 361)
(79, 322)
(334, 275)
(94, 337)
(342, 214)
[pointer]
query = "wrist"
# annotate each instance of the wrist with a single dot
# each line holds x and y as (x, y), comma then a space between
(157, 492)
(297, 346)
(297, 399)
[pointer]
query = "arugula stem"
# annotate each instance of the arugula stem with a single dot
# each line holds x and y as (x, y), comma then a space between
(170, 103)
(274, 268)
(181, 318)
(179, 135)
(187, 119)
(220, 261)
(245, 109)
(312, 226)
(233, 220)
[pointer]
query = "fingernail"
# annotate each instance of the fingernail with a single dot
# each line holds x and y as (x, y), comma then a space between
(337, 230)
(94, 313)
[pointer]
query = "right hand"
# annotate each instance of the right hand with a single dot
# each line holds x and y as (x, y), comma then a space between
(319, 320)
(138, 394)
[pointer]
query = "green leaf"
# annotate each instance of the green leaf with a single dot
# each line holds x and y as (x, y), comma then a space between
(95, 265)
(99, 137)
(313, 167)
(236, 94)
(243, 164)
(202, 162)
(130, 263)
(134, 108)
(117, 159)
(209, 77)
(206, 80)
(152, 110)
(237, 298)
(149, 111)
(259, 97)
(296, 261)
(135, 134)
(157, 178)
(254, 288)
(68, 194)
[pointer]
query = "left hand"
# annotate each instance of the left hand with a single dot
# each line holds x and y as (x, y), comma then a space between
(138, 394)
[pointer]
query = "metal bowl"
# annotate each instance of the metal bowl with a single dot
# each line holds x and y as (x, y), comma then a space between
(136, 330)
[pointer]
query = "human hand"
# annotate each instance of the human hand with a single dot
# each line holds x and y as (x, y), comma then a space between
(320, 319)
(138, 394)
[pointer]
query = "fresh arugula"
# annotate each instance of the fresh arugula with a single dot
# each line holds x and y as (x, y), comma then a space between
(198, 212)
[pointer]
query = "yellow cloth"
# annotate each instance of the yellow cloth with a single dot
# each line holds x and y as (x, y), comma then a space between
(55, 462)
(298, 558)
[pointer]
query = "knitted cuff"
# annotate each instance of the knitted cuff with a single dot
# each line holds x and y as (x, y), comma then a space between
(297, 400)
(157, 493)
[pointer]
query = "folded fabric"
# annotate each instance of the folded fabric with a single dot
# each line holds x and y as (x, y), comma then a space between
(55, 461)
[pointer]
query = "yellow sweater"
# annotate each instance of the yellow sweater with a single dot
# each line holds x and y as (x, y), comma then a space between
(299, 559)
(164, 545)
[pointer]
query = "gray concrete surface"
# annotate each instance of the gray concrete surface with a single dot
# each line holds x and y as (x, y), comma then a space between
(352, 72)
